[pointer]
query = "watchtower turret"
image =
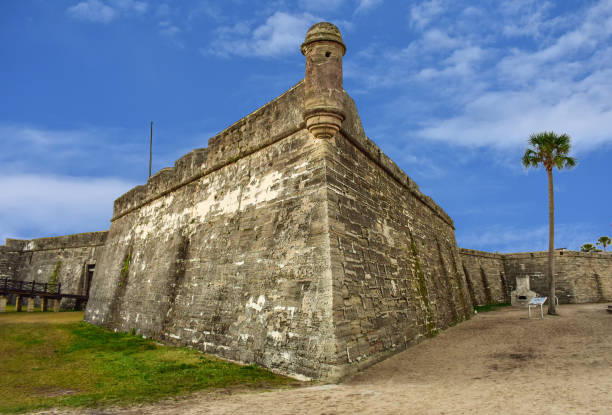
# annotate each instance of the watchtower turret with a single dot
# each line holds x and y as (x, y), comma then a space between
(323, 49)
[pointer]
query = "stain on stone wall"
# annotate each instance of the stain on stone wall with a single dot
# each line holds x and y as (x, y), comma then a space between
(233, 260)
(393, 256)
(580, 277)
(486, 274)
(65, 258)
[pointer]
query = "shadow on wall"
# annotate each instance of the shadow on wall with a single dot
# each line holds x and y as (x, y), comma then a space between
(581, 277)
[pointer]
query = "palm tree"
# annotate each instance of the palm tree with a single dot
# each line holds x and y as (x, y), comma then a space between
(589, 248)
(549, 150)
(604, 241)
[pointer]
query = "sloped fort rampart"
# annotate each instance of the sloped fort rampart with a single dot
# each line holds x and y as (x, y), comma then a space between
(581, 277)
(291, 241)
(69, 260)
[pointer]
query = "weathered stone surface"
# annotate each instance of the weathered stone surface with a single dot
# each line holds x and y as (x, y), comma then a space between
(291, 241)
(486, 277)
(580, 277)
(37, 259)
(310, 256)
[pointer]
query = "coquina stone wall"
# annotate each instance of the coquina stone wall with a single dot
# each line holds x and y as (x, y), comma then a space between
(293, 244)
(395, 266)
(228, 251)
(486, 277)
(11, 258)
(580, 277)
(71, 257)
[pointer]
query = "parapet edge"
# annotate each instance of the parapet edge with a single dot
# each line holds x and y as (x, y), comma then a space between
(352, 129)
(77, 240)
(266, 125)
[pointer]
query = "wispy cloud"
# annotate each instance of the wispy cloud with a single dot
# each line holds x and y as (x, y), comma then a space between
(171, 33)
(422, 14)
(479, 93)
(80, 151)
(280, 34)
(47, 205)
(317, 6)
(507, 238)
(100, 11)
(364, 5)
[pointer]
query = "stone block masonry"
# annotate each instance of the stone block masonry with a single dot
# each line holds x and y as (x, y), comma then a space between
(69, 260)
(291, 241)
(486, 277)
(580, 277)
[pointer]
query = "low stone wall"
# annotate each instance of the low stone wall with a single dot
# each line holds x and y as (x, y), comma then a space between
(486, 277)
(580, 277)
(71, 258)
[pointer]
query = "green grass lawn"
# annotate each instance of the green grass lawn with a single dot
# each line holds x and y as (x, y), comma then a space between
(54, 359)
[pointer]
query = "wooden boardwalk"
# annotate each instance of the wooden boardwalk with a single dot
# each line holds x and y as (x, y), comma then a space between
(32, 289)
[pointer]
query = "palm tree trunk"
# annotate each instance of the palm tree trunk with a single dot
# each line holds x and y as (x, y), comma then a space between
(551, 245)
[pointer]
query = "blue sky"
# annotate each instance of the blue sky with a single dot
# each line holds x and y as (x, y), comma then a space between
(450, 90)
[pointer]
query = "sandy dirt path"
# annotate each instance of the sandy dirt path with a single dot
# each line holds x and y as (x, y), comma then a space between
(499, 362)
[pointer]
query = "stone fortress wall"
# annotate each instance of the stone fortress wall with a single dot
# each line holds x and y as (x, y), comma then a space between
(290, 241)
(283, 243)
(580, 277)
(73, 256)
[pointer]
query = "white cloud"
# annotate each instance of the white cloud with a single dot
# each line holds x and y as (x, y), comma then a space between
(56, 205)
(281, 33)
(422, 14)
(367, 5)
(171, 33)
(438, 39)
(92, 10)
(508, 238)
(100, 11)
(317, 6)
(477, 92)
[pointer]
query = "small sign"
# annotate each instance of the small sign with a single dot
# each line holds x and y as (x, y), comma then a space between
(538, 300)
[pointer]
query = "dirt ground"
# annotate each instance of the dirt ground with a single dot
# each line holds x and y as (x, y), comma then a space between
(499, 362)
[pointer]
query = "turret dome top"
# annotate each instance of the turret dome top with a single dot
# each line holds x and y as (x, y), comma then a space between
(323, 31)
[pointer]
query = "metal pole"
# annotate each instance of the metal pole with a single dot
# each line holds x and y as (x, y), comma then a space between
(151, 149)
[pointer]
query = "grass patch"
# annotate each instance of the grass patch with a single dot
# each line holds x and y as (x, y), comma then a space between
(51, 364)
(489, 307)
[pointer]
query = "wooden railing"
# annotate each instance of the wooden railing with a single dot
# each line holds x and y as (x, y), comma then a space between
(35, 289)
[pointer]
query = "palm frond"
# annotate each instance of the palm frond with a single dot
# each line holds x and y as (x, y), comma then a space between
(549, 149)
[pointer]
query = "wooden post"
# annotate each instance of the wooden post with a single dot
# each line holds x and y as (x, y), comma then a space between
(44, 303)
(18, 303)
(30, 304)
(2, 304)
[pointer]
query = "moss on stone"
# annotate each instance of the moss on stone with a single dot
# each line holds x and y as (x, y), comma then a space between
(422, 288)
(125, 270)
(55, 276)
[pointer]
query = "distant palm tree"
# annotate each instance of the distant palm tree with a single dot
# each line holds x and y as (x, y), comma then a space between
(589, 248)
(549, 150)
(604, 241)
